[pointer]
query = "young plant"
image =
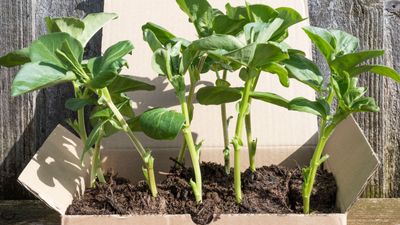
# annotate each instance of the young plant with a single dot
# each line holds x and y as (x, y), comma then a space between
(209, 21)
(49, 69)
(345, 64)
(264, 29)
(58, 58)
(168, 61)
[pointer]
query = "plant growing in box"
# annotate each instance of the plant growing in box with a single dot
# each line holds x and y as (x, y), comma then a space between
(58, 58)
(340, 96)
(99, 84)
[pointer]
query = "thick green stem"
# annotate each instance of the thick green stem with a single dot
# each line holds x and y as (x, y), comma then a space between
(194, 153)
(193, 82)
(151, 179)
(96, 171)
(237, 140)
(325, 133)
(139, 147)
(226, 151)
(251, 144)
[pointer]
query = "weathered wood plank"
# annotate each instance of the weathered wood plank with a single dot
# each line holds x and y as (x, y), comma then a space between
(26, 121)
(377, 30)
(364, 212)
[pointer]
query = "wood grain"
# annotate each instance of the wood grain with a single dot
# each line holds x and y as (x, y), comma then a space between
(26, 121)
(364, 212)
(375, 23)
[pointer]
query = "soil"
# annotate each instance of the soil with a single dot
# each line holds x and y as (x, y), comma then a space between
(270, 189)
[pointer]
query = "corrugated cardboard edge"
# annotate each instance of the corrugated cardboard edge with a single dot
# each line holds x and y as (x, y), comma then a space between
(352, 161)
(55, 174)
(225, 219)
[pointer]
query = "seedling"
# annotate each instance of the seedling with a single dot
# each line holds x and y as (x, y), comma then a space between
(168, 60)
(58, 58)
(345, 64)
(209, 21)
(264, 29)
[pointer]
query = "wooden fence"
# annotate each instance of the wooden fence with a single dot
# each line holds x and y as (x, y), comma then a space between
(26, 121)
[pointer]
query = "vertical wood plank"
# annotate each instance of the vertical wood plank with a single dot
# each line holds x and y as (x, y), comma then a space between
(377, 30)
(26, 121)
(391, 105)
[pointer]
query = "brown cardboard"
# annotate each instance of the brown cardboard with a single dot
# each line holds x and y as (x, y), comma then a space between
(352, 162)
(55, 174)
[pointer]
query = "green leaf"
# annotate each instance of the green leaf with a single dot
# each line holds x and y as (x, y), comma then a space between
(289, 17)
(323, 40)
(15, 58)
(201, 14)
(69, 25)
(218, 44)
(116, 52)
(252, 13)
(94, 135)
(378, 69)
(126, 83)
(223, 42)
(44, 49)
(319, 108)
(279, 70)
(345, 43)
(93, 23)
(161, 123)
(108, 66)
(258, 55)
(348, 61)
(364, 104)
(305, 71)
(218, 95)
(155, 35)
(161, 62)
(75, 104)
(222, 24)
(270, 98)
(34, 76)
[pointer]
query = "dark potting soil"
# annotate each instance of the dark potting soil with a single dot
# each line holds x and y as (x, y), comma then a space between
(270, 189)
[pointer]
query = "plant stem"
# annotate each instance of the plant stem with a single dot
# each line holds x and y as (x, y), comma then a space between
(251, 144)
(193, 83)
(95, 171)
(226, 151)
(194, 153)
(237, 139)
(325, 133)
(145, 155)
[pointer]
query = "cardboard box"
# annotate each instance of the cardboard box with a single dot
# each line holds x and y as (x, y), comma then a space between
(55, 176)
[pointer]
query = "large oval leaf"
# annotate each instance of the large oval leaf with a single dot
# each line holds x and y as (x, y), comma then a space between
(93, 23)
(70, 25)
(304, 70)
(378, 69)
(44, 49)
(161, 123)
(218, 95)
(348, 61)
(34, 76)
(319, 108)
(126, 83)
(15, 58)
(270, 98)
(160, 33)
(323, 40)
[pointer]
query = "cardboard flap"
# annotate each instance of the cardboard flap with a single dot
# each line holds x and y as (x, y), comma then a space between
(55, 174)
(351, 160)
